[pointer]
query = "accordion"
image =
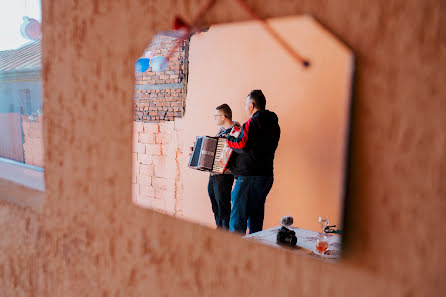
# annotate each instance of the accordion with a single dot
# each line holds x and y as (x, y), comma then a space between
(210, 154)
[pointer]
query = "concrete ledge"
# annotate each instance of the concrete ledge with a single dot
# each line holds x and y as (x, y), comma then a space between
(27, 175)
(22, 184)
(22, 196)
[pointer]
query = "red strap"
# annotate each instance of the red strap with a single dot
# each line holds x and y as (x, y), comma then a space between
(240, 143)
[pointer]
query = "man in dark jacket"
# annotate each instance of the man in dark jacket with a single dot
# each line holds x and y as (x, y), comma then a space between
(253, 164)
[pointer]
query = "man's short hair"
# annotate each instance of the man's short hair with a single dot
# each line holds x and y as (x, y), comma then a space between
(258, 99)
(226, 110)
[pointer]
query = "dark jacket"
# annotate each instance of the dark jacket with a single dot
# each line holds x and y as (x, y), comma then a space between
(256, 145)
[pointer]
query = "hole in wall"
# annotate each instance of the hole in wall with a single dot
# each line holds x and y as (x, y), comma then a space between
(21, 142)
(308, 101)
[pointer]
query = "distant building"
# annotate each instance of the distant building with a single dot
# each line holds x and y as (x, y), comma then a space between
(20, 79)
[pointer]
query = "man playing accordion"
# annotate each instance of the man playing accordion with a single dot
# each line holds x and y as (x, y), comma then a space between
(220, 185)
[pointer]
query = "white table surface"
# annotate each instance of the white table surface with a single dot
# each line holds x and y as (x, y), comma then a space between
(306, 240)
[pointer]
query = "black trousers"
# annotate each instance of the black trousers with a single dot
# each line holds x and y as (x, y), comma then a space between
(219, 189)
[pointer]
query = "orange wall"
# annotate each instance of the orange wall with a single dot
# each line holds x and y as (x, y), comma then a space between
(226, 63)
(91, 240)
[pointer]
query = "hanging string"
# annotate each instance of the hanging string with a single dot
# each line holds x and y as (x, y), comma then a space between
(180, 24)
(274, 34)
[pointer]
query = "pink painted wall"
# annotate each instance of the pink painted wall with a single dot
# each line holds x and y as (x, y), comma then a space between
(226, 63)
(90, 240)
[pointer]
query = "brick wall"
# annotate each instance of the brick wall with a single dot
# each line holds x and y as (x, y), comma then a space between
(155, 176)
(159, 99)
(33, 141)
(161, 95)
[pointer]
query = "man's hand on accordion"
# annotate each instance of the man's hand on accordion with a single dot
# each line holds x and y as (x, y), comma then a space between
(191, 149)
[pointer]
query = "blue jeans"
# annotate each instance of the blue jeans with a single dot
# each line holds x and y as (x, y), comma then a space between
(248, 203)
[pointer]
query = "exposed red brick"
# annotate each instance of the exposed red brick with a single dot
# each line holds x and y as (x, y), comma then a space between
(144, 99)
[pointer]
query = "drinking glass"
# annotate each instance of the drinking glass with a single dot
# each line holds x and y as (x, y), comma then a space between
(323, 222)
(322, 244)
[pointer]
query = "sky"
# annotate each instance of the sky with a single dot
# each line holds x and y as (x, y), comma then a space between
(11, 17)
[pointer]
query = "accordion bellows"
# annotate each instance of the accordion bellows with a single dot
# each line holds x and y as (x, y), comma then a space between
(210, 154)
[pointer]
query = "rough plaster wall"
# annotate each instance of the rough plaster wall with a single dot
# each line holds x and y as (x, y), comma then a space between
(19, 231)
(94, 242)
